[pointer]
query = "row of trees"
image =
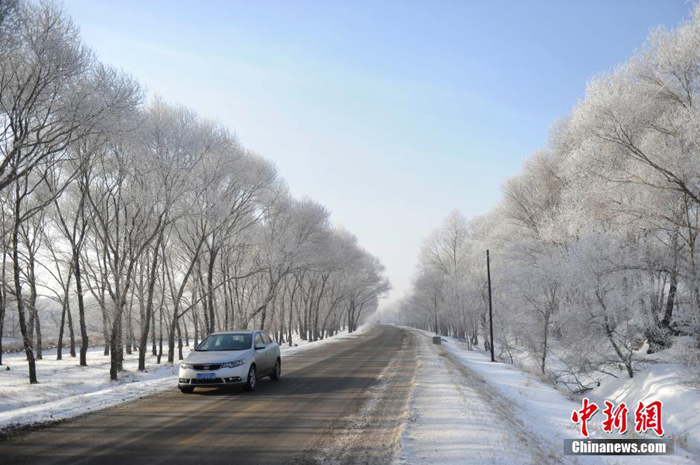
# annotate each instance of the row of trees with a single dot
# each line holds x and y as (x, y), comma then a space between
(594, 244)
(148, 217)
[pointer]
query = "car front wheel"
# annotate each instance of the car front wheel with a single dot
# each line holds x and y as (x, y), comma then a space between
(277, 372)
(252, 379)
(186, 389)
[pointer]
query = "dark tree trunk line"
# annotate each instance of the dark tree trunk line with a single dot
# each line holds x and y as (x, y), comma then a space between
(84, 341)
(147, 318)
(3, 296)
(16, 271)
(65, 314)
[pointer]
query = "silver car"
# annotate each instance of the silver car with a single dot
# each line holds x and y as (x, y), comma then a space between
(231, 358)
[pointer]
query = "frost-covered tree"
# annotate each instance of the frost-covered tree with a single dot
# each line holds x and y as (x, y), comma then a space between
(594, 242)
(155, 223)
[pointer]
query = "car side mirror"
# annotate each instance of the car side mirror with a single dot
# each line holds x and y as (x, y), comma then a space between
(260, 346)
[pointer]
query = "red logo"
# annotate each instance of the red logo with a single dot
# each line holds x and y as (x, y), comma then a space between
(615, 418)
(646, 417)
(649, 417)
(582, 416)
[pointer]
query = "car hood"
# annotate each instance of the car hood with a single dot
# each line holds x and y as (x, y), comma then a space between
(216, 356)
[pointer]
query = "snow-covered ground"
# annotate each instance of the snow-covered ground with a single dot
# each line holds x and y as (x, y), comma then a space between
(66, 389)
(658, 376)
(301, 345)
(452, 422)
(665, 382)
(466, 409)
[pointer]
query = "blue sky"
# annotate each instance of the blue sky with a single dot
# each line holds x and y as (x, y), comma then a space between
(390, 113)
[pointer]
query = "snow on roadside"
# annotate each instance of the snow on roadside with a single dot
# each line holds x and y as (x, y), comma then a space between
(302, 345)
(535, 408)
(681, 403)
(451, 423)
(658, 376)
(67, 390)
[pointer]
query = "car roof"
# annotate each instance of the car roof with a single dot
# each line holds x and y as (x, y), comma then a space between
(242, 331)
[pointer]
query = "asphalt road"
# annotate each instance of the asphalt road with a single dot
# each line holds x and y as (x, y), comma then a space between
(341, 403)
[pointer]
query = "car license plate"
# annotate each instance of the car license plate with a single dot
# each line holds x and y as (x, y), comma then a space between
(205, 375)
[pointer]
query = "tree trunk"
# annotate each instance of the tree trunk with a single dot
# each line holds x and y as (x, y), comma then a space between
(59, 348)
(159, 354)
(120, 341)
(71, 330)
(105, 327)
(227, 307)
(171, 340)
(28, 350)
(263, 316)
(32, 306)
(129, 329)
(625, 360)
(153, 334)
(3, 294)
(670, 301)
(3, 305)
(31, 322)
(544, 344)
(81, 309)
(147, 319)
(115, 344)
(179, 342)
(210, 291)
(196, 326)
(160, 335)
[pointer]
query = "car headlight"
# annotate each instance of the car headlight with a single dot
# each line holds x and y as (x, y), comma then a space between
(186, 366)
(235, 364)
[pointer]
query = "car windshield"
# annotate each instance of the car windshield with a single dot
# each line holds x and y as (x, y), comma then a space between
(225, 342)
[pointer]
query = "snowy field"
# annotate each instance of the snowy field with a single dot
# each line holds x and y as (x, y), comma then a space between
(466, 410)
(67, 390)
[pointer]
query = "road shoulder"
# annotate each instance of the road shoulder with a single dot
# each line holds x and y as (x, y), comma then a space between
(452, 421)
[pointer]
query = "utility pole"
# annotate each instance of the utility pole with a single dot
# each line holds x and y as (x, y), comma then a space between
(435, 308)
(488, 272)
